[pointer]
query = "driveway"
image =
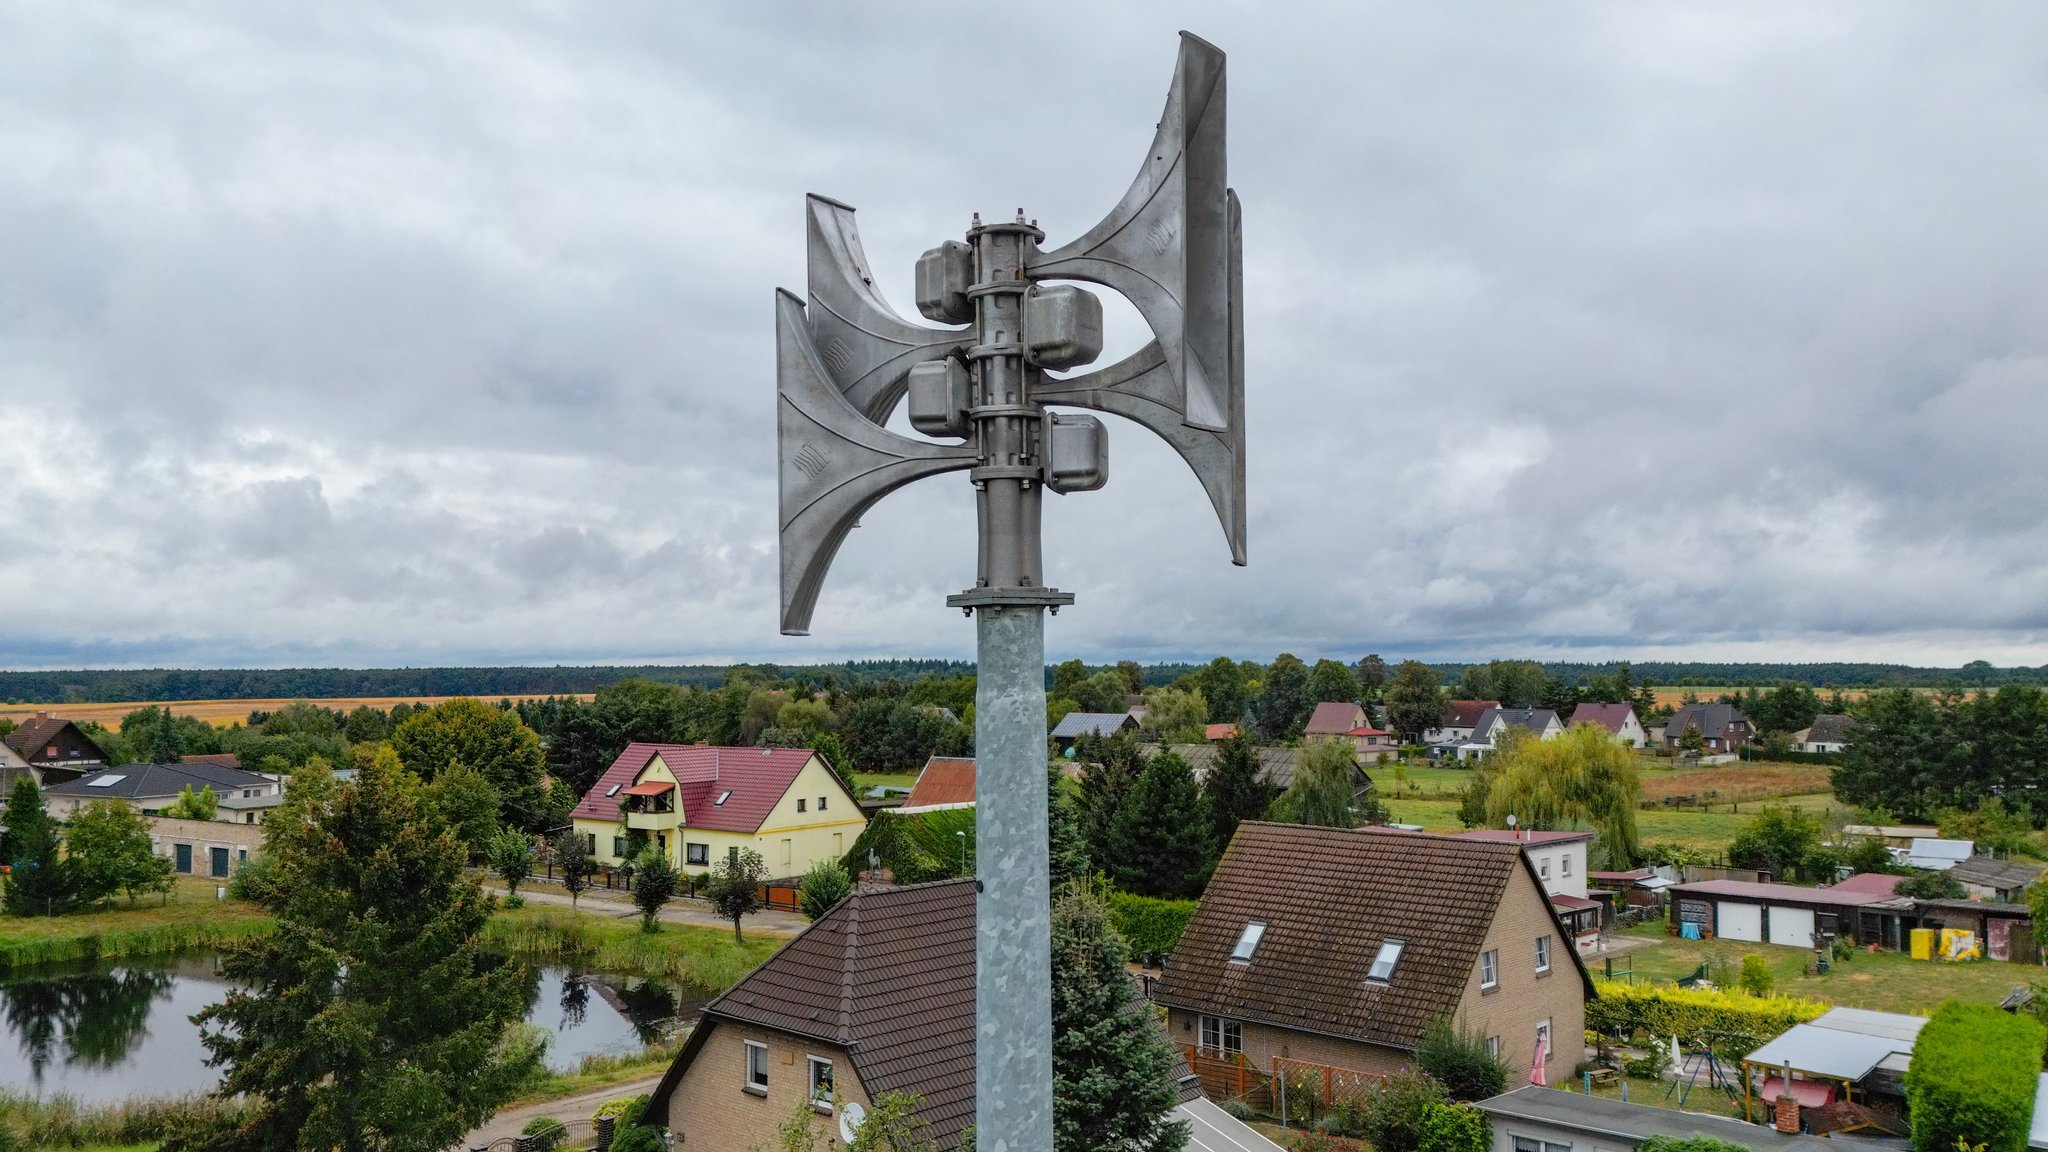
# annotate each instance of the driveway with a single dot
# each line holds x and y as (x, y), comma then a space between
(767, 922)
(572, 1111)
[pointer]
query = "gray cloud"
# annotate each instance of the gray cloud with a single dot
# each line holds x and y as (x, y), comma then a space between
(403, 336)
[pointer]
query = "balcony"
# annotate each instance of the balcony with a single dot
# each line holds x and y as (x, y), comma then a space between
(651, 805)
(654, 820)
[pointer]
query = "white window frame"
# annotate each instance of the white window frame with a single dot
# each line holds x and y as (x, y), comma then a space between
(1564, 863)
(1543, 1030)
(1493, 1047)
(1543, 953)
(1489, 969)
(1536, 1144)
(811, 1066)
(1248, 941)
(1392, 961)
(1221, 1035)
(756, 1049)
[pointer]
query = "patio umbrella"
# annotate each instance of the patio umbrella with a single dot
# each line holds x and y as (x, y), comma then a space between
(1677, 1057)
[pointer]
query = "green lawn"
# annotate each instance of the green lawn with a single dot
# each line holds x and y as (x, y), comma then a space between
(862, 781)
(704, 957)
(1708, 831)
(190, 918)
(1884, 981)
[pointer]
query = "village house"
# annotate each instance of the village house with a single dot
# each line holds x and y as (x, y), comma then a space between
(1341, 946)
(945, 782)
(239, 797)
(1560, 862)
(1828, 733)
(49, 750)
(695, 803)
(1075, 725)
(1334, 720)
(876, 996)
(2006, 881)
(1619, 721)
(1540, 723)
(1721, 727)
(1460, 717)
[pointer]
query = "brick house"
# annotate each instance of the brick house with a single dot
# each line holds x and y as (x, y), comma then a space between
(1340, 946)
(49, 750)
(1722, 727)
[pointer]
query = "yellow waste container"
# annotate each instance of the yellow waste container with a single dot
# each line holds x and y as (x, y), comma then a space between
(1923, 943)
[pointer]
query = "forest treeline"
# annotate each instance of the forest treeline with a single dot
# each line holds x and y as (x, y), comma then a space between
(112, 686)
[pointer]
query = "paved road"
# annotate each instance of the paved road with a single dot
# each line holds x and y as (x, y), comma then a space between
(767, 922)
(573, 1111)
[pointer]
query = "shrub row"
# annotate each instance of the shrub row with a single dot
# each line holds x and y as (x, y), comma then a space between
(63, 1122)
(128, 943)
(1723, 1019)
(1148, 923)
(1972, 1079)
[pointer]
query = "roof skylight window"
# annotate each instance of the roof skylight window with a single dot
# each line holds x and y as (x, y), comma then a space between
(722, 798)
(1248, 941)
(1382, 968)
(613, 790)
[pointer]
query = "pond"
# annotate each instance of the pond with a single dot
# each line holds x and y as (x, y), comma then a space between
(114, 1030)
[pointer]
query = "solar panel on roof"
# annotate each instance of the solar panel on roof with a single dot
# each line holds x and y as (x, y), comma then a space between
(105, 781)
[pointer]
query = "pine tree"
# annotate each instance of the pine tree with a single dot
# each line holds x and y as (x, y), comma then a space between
(1110, 1058)
(1067, 844)
(39, 882)
(371, 1018)
(1109, 769)
(1234, 790)
(1161, 841)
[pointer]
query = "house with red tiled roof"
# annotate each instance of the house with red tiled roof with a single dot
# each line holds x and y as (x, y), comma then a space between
(946, 782)
(1619, 721)
(1333, 719)
(696, 803)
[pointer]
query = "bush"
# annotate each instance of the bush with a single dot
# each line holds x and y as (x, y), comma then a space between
(1237, 1109)
(1455, 1128)
(1689, 1144)
(638, 1138)
(545, 1132)
(250, 880)
(1931, 886)
(826, 884)
(1972, 1079)
(513, 903)
(1397, 1109)
(1756, 975)
(1694, 1014)
(1460, 1061)
(1147, 923)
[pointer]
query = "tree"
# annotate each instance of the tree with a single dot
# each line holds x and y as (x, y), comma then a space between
(1235, 789)
(1067, 677)
(493, 741)
(1161, 843)
(1175, 715)
(372, 1017)
(1515, 683)
(655, 881)
(1066, 840)
(107, 847)
(1223, 684)
(190, 805)
(1582, 776)
(1109, 769)
(894, 735)
(735, 888)
(1931, 886)
(1283, 702)
(511, 857)
(464, 802)
(1323, 787)
(1372, 678)
(1329, 680)
(1756, 976)
(1691, 741)
(824, 885)
(39, 882)
(1132, 674)
(572, 860)
(1103, 692)
(1459, 1059)
(367, 725)
(1414, 701)
(1110, 1058)
(1779, 840)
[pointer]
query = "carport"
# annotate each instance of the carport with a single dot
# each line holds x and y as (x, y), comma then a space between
(1844, 1046)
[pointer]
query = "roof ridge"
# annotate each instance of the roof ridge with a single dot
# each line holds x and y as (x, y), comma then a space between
(848, 953)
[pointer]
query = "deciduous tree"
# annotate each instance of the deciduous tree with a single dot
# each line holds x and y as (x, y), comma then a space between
(1329, 680)
(572, 862)
(1582, 777)
(511, 857)
(493, 741)
(107, 846)
(1283, 702)
(1323, 787)
(655, 881)
(824, 885)
(1415, 701)
(736, 886)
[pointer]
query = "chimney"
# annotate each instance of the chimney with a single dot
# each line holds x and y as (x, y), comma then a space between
(1787, 1113)
(42, 713)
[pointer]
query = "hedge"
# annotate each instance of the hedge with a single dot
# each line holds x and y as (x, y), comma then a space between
(1723, 1019)
(1148, 923)
(1750, 752)
(1972, 1079)
(1689, 1144)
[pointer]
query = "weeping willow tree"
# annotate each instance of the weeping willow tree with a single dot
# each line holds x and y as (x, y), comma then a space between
(1580, 778)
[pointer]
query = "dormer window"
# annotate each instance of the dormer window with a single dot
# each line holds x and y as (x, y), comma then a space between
(1382, 969)
(1248, 942)
(722, 798)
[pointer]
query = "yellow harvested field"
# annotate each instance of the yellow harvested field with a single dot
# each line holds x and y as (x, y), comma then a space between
(1672, 697)
(224, 712)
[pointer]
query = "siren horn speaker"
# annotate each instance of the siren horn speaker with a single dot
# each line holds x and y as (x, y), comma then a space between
(866, 348)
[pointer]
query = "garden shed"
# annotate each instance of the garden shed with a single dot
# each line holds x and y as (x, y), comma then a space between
(1767, 913)
(1849, 1054)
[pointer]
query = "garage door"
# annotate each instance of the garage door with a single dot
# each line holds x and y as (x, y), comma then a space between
(1792, 926)
(1739, 921)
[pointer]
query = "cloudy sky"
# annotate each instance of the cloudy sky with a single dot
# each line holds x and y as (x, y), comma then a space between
(368, 334)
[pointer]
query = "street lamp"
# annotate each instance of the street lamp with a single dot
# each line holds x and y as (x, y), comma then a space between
(978, 392)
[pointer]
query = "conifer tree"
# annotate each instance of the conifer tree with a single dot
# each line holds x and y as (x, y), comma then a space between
(1234, 790)
(1110, 1058)
(371, 1019)
(39, 883)
(1161, 843)
(1066, 843)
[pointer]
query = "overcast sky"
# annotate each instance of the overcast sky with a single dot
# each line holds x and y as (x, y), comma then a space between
(401, 334)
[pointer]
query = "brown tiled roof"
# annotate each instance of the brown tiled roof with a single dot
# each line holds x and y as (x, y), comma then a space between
(1333, 718)
(1465, 713)
(756, 777)
(946, 781)
(1608, 716)
(1527, 838)
(888, 975)
(32, 735)
(1329, 898)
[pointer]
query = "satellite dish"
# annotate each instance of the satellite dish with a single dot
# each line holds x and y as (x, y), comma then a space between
(850, 1116)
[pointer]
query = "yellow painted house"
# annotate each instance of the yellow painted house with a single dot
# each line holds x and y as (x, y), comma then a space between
(696, 802)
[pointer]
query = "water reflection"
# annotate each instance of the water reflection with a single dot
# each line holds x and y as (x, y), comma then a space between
(81, 1017)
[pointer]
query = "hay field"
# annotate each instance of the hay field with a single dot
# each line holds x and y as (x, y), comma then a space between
(221, 712)
(1672, 697)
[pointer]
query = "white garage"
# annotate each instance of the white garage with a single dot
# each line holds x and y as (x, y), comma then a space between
(1793, 926)
(1735, 921)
